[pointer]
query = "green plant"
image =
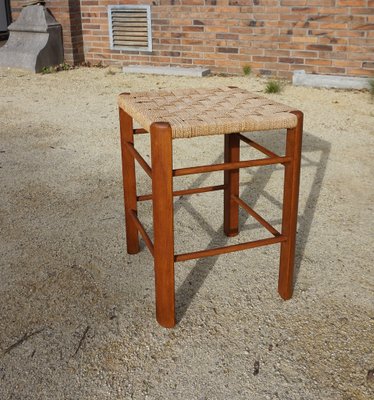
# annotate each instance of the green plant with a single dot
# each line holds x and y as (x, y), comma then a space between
(371, 84)
(273, 86)
(47, 70)
(65, 66)
(247, 70)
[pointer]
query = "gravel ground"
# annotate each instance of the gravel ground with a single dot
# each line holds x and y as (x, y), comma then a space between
(77, 313)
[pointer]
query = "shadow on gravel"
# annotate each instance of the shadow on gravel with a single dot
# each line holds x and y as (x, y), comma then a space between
(314, 148)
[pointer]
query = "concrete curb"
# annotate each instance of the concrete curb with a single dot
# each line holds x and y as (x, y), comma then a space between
(178, 71)
(301, 78)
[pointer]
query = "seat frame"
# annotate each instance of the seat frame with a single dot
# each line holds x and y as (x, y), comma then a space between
(162, 173)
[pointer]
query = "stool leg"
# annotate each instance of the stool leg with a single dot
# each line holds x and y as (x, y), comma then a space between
(290, 206)
(163, 222)
(231, 183)
(129, 181)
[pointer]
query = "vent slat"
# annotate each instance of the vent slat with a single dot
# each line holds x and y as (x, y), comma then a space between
(130, 40)
(140, 24)
(130, 29)
(132, 34)
(130, 37)
(126, 12)
(129, 15)
(128, 44)
(129, 19)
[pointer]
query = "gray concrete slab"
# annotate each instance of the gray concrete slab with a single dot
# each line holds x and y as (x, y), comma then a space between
(301, 78)
(178, 71)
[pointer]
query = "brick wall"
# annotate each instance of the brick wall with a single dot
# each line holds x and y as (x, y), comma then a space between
(68, 14)
(275, 37)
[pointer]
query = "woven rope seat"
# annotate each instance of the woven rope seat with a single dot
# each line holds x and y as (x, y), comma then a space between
(200, 112)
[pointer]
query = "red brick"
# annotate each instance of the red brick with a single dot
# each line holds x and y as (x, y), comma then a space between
(331, 70)
(264, 58)
(306, 39)
(368, 65)
(291, 60)
(319, 47)
(227, 50)
(193, 29)
(360, 72)
(367, 27)
(317, 61)
(351, 3)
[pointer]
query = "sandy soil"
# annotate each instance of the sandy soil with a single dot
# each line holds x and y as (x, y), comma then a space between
(77, 312)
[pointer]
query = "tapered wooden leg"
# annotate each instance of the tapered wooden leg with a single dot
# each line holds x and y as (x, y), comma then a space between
(163, 222)
(129, 181)
(290, 207)
(231, 183)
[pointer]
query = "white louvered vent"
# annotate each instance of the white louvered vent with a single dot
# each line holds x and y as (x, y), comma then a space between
(130, 27)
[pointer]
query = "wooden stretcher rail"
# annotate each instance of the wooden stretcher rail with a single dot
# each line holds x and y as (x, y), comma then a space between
(257, 146)
(139, 159)
(138, 131)
(228, 166)
(184, 192)
(142, 231)
(229, 249)
(256, 216)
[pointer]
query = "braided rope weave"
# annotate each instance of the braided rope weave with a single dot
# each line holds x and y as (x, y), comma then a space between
(200, 112)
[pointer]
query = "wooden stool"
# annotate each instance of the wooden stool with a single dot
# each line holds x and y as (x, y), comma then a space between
(200, 112)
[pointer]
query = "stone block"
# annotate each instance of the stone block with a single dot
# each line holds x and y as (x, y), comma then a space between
(300, 78)
(35, 41)
(179, 71)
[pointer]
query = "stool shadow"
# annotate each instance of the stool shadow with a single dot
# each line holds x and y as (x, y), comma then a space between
(260, 178)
